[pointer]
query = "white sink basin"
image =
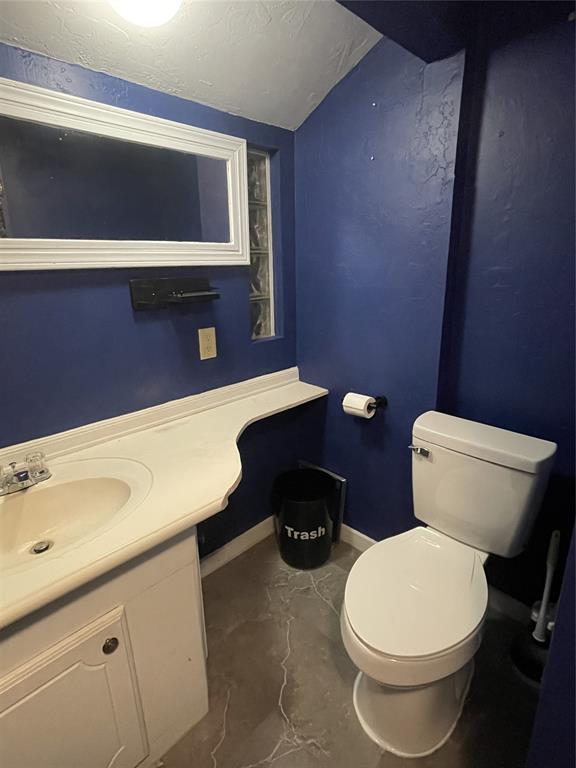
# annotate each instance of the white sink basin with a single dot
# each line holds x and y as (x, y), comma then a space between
(81, 500)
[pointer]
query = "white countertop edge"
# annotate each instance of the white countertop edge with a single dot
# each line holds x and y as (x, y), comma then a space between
(88, 435)
(39, 596)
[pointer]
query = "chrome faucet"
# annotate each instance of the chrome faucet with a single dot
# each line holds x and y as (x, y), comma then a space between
(19, 476)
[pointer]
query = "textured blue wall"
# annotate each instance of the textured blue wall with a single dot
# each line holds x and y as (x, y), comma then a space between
(512, 324)
(509, 331)
(374, 178)
(75, 352)
(513, 362)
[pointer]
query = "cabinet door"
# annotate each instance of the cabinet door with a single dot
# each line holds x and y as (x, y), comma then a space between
(76, 705)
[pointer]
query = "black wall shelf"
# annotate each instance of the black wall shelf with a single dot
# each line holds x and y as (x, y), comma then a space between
(164, 292)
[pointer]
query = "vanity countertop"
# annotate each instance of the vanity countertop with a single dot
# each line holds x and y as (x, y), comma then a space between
(190, 449)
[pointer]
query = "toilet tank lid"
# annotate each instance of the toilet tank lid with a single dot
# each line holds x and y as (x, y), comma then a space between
(499, 446)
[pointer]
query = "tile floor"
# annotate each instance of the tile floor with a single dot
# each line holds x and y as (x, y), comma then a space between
(281, 682)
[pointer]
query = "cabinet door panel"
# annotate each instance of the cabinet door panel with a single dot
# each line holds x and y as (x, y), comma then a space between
(74, 706)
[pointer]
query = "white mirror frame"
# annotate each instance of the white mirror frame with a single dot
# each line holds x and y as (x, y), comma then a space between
(40, 105)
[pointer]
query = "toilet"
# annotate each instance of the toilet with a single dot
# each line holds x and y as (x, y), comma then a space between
(415, 604)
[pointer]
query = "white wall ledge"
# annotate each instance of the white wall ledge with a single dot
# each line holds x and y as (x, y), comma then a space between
(89, 435)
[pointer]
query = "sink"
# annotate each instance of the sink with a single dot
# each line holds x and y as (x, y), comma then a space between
(81, 500)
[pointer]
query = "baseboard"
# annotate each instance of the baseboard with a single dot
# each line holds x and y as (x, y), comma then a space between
(236, 547)
(258, 533)
(355, 539)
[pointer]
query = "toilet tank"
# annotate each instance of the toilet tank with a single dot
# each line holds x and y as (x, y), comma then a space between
(478, 484)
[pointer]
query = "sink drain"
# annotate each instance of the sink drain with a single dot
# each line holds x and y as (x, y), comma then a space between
(41, 546)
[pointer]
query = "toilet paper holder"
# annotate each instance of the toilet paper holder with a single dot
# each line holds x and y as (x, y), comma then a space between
(379, 402)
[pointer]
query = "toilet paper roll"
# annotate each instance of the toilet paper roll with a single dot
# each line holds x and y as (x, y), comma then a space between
(359, 405)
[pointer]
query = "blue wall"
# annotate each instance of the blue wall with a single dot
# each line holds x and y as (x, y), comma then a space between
(514, 358)
(511, 327)
(374, 178)
(509, 330)
(76, 352)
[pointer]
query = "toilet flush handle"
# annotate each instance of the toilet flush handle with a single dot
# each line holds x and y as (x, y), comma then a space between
(419, 451)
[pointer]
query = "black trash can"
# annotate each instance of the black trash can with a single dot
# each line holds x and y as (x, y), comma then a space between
(301, 502)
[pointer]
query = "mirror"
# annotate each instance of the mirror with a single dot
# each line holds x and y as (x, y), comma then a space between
(66, 184)
(84, 184)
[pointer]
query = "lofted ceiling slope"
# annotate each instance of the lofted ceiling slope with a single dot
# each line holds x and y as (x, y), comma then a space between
(269, 60)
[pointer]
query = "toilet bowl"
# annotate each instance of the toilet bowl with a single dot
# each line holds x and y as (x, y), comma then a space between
(411, 622)
(414, 604)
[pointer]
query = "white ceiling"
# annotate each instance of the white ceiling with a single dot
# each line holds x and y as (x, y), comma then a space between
(269, 60)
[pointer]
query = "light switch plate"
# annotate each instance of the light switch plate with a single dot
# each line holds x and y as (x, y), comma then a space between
(207, 343)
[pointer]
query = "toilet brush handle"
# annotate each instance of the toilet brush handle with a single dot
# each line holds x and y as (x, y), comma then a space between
(553, 547)
(539, 633)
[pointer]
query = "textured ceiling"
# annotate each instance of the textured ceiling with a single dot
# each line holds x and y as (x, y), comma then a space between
(269, 60)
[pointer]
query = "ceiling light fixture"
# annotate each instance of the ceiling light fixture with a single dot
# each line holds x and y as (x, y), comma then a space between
(146, 13)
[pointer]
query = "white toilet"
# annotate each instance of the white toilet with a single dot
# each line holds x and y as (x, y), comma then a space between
(415, 604)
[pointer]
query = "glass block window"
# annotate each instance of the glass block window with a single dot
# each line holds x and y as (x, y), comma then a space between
(261, 264)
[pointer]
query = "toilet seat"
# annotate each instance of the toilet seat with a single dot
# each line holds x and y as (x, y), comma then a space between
(407, 671)
(416, 595)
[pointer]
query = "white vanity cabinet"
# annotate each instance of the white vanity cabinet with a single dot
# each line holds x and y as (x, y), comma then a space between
(77, 702)
(112, 675)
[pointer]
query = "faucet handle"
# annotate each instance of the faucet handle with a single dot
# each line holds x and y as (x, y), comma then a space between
(36, 465)
(6, 476)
